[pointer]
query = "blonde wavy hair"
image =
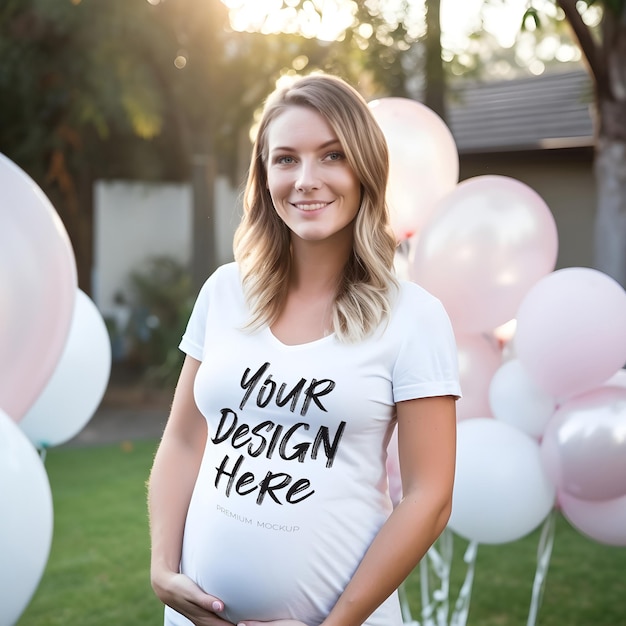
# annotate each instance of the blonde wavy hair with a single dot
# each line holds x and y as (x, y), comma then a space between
(262, 240)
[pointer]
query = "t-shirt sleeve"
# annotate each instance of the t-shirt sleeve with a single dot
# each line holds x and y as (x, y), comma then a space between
(192, 342)
(427, 363)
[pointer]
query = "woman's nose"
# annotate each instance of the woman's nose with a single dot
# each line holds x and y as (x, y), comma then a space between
(308, 177)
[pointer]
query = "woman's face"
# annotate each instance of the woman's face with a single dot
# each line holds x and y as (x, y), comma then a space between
(314, 190)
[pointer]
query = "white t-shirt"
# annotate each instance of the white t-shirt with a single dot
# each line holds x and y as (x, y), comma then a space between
(293, 485)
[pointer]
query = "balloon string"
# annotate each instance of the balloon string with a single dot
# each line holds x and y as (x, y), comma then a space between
(405, 609)
(435, 608)
(442, 595)
(427, 605)
(461, 607)
(544, 552)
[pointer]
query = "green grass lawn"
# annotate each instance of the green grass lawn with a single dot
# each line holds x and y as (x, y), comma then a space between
(97, 573)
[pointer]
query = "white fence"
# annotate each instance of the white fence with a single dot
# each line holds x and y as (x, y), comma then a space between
(134, 222)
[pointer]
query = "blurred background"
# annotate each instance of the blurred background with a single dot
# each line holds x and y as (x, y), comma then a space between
(135, 118)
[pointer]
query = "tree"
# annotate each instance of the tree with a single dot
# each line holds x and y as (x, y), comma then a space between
(75, 106)
(128, 90)
(604, 50)
(370, 47)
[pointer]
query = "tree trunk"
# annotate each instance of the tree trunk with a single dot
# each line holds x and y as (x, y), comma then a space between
(203, 257)
(606, 60)
(84, 255)
(610, 161)
(610, 221)
(435, 77)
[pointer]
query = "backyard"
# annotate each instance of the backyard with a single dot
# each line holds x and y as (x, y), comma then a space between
(97, 572)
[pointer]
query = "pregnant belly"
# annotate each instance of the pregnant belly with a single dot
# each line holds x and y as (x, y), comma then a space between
(275, 560)
(261, 568)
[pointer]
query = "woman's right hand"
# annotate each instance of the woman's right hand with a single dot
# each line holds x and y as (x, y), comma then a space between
(183, 595)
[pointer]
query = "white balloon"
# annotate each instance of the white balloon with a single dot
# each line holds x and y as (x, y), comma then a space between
(78, 383)
(501, 492)
(517, 400)
(25, 520)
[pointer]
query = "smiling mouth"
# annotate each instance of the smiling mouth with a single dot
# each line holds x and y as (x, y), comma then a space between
(311, 206)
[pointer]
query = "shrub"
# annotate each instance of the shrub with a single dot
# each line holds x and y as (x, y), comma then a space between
(162, 301)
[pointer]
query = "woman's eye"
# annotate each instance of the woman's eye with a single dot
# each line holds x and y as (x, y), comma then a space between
(285, 160)
(335, 156)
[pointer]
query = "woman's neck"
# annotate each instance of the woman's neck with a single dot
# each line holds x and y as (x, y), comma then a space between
(308, 306)
(317, 267)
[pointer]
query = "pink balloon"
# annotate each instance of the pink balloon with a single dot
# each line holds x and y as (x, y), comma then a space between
(489, 241)
(479, 359)
(37, 289)
(571, 330)
(583, 449)
(603, 521)
(423, 161)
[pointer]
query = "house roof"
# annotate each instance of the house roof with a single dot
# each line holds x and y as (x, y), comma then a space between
(543, 112)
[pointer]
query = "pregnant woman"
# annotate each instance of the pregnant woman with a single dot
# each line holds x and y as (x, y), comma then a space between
(268, 498)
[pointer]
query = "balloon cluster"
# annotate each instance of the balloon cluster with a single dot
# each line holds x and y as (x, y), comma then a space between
(55, 361)
(542, 421)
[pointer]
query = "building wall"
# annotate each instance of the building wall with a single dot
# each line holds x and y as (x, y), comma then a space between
(564, 179)
(134, 222)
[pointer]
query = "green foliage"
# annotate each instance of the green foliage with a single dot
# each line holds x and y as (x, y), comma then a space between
(389, 54)
(94, 85)
(72, 71)
(162, 303)
(379, 51)
(531, 15)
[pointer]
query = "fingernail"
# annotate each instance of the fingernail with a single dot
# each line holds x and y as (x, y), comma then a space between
(217, 606)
